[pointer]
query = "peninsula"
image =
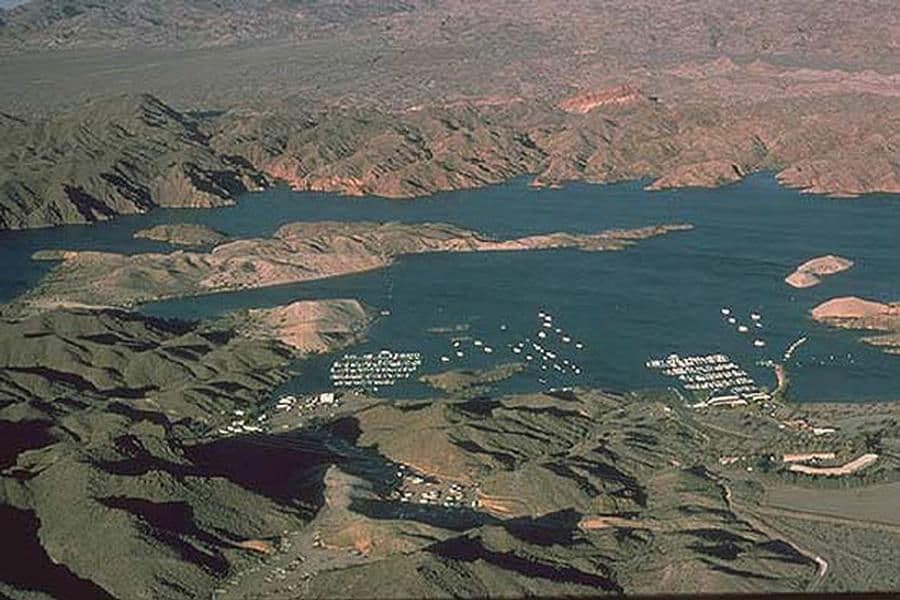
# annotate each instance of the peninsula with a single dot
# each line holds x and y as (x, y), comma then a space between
(297, 252)
(857, 313)
(309, 326)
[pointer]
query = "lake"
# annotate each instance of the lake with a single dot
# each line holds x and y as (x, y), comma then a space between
(663, 295)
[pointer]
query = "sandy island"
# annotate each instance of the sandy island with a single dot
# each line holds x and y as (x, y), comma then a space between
(811, 272)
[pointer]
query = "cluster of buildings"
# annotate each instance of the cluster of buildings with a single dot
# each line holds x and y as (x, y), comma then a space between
(724, 382)
(241, 422)
(371, 371)
(292, 404)
(416, 488)
(283, 415)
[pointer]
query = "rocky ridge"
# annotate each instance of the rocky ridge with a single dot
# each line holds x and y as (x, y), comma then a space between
(182, 234)
(128, 155)
(117, 156)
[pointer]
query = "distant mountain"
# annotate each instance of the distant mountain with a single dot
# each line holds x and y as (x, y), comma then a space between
(125, 23)
(120, 155)
(403, 99)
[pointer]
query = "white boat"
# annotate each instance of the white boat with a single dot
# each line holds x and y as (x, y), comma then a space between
(732, 321)
(579, 345)
(755, 316)
(566, 339)
(488, 349)
(445, 359)
(759, 343)
(743, 328)
(479, 343)
(726, 311)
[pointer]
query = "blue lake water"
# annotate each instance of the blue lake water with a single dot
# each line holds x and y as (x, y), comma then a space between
(663, 295)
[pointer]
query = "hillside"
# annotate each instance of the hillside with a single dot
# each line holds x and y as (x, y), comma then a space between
(117, 156)
(405, 99)
(113, 435)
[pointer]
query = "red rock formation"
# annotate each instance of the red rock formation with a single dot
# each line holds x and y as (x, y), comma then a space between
(585, 102)
(855, 308)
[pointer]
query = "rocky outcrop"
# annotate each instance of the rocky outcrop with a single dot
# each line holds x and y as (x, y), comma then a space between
(856, 313)
(393, 106)
(713, 173)
(467, 382)
(182, 234)
(308, 327)
(811, 272)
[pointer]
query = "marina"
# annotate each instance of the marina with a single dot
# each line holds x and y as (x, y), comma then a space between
(549, 353)
(715, 378)
(661, 296)
(374, 370)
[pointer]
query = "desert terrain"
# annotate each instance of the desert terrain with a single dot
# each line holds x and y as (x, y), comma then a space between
(407, 99)
(171, 458)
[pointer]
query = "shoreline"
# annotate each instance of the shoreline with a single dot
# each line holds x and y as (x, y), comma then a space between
(531, 179)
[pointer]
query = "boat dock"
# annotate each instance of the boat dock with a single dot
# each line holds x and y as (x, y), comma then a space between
(371, 371)
(723, 381)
